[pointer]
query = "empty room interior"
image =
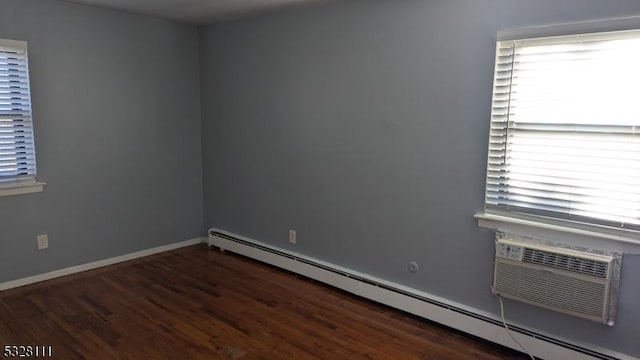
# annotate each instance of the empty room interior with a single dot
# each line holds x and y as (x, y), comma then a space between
(284, 179)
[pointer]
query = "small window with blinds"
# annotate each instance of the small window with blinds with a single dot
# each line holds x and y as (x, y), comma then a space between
(17, 151)
(565, 129)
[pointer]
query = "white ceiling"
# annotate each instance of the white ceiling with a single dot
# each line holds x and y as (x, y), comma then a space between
(198, 11)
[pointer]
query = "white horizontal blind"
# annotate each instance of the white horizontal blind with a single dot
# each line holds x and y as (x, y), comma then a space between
(17, 151)
(565, 128)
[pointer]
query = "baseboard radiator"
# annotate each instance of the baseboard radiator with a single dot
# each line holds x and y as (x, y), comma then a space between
(456, 316)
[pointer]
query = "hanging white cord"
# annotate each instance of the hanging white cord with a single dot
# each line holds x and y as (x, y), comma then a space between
(509, 331)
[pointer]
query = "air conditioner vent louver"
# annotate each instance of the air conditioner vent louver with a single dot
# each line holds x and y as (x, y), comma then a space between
(565, 262)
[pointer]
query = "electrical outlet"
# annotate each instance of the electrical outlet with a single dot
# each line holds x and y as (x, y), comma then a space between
(292, 236)
(43, 241)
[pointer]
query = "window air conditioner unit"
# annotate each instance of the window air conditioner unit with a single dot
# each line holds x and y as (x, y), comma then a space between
(578, 283)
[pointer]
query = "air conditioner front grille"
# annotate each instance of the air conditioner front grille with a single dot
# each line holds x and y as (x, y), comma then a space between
(545, 288)
(565, 262)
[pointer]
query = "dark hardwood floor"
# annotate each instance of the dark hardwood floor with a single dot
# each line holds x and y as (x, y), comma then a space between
(197, 303)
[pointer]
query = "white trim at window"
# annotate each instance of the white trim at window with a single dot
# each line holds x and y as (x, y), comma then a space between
(17, 147)
(564, 144)
(21, 188)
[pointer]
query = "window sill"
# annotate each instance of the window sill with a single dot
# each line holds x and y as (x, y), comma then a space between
(21, 188)
(625, 241)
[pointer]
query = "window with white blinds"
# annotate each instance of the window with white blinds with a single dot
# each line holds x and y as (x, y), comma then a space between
(565, 129)
(17, 151)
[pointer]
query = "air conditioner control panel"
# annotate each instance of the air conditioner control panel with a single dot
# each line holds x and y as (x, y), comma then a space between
(509, 251)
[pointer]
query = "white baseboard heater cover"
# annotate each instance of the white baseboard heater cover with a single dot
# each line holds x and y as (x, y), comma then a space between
(442, 311)
(577, 283)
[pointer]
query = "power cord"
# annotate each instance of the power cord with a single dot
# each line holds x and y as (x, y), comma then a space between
(509, 331)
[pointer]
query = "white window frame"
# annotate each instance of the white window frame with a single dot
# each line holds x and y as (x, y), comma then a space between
(24, 185)
(558, 230)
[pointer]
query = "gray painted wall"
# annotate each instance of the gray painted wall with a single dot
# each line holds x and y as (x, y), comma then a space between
(117, 127)
(363, 125)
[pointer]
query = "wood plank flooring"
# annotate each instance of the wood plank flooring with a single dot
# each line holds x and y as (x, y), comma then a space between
(197, 303)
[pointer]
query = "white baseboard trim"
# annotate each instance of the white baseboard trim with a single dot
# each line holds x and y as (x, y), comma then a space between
(98, 264)
(457, 316)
